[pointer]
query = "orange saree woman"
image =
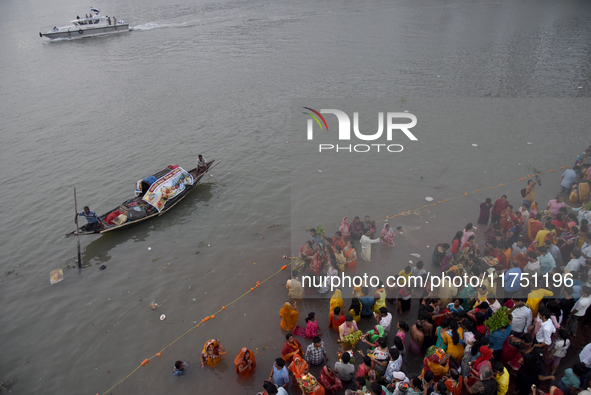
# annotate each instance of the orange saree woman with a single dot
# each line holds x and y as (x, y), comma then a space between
(245, 362)
(299, 366)
(351, 255)
(289, 316)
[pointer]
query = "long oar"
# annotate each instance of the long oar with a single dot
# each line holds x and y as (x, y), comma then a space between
(77, 233)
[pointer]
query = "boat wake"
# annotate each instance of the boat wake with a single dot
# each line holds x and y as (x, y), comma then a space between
(159, 25)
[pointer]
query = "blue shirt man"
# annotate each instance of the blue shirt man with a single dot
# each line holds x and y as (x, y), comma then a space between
(279, 373)
(547, 262)
(316, 238)
(498, 337)
(568, 177)
(512, 278)
(367, 303)
(91, 219)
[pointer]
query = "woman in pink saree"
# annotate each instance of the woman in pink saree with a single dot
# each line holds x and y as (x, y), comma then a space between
(387, 237)
(345, 229)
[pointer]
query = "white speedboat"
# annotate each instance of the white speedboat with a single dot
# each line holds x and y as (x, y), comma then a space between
(88, 26)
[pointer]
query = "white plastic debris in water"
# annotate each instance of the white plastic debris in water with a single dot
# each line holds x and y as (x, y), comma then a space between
(209, 245)
(528, 142)
(427, 246)
(415, 255)
(319, 171)
(56, 276)
(410, 261)
(162, 317)
(474, 145)
(429, 198)
(149, 248)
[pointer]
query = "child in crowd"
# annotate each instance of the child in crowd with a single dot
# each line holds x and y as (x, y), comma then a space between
(179, 368)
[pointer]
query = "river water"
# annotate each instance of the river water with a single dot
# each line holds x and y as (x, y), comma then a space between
(220, 79)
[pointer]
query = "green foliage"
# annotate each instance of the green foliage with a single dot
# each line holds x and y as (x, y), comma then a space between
(499, 320)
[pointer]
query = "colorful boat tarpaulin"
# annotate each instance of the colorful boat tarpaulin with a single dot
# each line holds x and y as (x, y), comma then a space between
(167, 187)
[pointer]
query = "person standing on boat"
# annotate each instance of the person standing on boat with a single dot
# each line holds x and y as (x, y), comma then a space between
(201, 164)
(91, 218)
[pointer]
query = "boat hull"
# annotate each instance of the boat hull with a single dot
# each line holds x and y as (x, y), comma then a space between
(175, 201)
(87, 32)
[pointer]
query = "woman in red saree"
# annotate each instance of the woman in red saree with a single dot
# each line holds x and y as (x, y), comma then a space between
(559, 225)
(245, 362)
(345, 228)
(507, 218)
(336, 319)
(513, 350)
(329, 380)
(350, 255)
(485, 358)
(534, 225)
(291, 348)
(522, 258)
(317, 260)
(307, 251)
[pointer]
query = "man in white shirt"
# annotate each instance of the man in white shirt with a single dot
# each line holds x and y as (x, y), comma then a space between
(533, 266)
(201, 164)
(585, 355)
(580, 308)
(366, 243)
(544, 335)
(522, 317)
(586, 249)
(574, 264)
(493, 302)
(384, 319)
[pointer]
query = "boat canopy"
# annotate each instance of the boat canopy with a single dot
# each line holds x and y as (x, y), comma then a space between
(89, 21)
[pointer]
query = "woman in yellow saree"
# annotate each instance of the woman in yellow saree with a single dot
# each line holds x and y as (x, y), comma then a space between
(337, 300)
(289, 316)
(212, 353)
(381, 302)
(580, 193)
(436, 363)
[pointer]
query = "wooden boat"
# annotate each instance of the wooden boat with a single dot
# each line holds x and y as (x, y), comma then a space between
(150, 211)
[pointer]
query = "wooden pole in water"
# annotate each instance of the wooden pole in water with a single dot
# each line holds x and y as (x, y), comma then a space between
(77, 232)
